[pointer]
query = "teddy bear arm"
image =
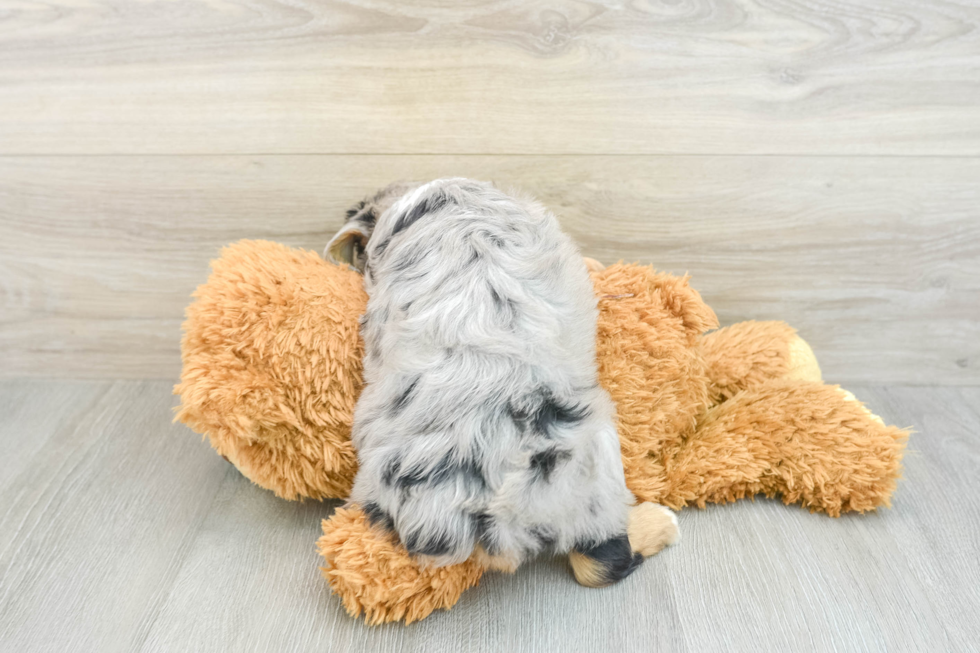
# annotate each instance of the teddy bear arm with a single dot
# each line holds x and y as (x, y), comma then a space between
(375, 576)
(667, 295)
(805, 442)
(745, 354)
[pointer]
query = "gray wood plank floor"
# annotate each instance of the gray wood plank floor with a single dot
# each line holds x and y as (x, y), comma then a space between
(120, 531)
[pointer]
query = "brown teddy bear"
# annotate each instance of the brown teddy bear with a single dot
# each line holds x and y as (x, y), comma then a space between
(272, 370)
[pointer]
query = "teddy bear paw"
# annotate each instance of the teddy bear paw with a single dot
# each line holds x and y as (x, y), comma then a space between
(651, 527)
(850, 397)
(802, 364)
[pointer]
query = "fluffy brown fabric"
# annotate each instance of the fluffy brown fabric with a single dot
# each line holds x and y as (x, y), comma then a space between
(648, 330)
(272, 367)
(746, 354)
(272, 371)
(358, 556)
(804, 442)
(714, 418)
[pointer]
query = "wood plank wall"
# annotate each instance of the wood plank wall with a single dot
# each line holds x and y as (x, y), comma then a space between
(815, 162)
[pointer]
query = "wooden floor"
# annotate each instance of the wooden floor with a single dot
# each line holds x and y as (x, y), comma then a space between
(120, 531)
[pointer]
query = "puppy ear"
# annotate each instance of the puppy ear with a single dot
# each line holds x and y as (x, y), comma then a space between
(348, 246)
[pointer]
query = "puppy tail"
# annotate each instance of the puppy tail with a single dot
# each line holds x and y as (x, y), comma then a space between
(651, 527)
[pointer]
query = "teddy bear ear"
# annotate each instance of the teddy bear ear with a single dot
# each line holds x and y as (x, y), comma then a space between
(685, 302)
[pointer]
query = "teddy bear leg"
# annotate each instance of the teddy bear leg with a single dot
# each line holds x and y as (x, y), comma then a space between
(748, 353)
(806, 442)
(375, 576)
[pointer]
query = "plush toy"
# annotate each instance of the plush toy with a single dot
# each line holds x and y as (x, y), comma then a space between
(272, 370)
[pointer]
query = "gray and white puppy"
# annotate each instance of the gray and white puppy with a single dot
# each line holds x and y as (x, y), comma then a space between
(482, 427)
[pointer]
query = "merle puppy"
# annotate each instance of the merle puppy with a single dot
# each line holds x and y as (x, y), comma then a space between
(482, 427)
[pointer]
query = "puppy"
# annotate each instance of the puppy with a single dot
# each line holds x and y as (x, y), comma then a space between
(482, 428)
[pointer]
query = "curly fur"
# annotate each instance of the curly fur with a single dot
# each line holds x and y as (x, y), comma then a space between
(481, 422)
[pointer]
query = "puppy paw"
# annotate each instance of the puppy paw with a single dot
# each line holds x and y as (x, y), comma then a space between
(508, 565)
(651, 527)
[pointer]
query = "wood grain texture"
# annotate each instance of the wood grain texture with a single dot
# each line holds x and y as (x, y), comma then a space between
(568, 76)
(875, 260)
(120, 531)
(97, 506)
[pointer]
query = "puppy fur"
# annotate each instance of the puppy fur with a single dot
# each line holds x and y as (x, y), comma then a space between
(482, 426)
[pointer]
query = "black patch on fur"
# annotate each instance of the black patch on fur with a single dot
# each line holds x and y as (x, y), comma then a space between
(440, 545)
(426, 206)
(390, 471)
(474, 475)
(369, 218)
(418, 476)
(402, 400)
(544, 462)
(546, 413)
(378, 517)
(614, 556)
(380, 249)
(446, 469)
(553, 412)
(354, 210)
(482, 523)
